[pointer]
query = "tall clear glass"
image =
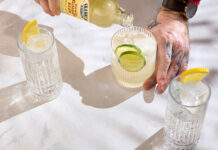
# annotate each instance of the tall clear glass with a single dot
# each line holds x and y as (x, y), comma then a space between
(144, 40)
(185, 112)
(42, 68)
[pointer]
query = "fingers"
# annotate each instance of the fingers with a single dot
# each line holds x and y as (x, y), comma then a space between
(54, 6)
(174, 67)
(37, 1)
(164, 60)
(51, 7)
(184, 64)
(45, 7)
(150, 82)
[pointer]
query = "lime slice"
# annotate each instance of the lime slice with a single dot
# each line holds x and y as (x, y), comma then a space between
(193, 75)
(30, 29)
(132, 61)
(127, 47)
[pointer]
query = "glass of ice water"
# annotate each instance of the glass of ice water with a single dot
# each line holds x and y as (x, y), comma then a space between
(185, 112)
(40, 61)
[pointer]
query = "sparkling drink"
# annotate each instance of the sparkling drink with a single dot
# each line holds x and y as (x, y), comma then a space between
(103, 13)
(40, 61)
(185, 113)
(129, 71)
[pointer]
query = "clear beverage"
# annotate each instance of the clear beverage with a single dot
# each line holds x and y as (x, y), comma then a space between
(185, 113)
(147, 43)
(41, 65)
(103, 13)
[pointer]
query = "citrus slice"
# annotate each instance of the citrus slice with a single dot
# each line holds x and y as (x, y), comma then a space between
(194, 75)
(127, 47)
(30, 29)
(132, 61)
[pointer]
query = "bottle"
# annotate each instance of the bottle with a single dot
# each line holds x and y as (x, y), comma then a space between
(103, 13)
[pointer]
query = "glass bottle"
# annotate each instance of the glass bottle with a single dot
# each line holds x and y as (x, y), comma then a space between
(103, 13)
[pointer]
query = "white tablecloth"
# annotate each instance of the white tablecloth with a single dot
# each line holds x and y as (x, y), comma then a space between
(93, 112)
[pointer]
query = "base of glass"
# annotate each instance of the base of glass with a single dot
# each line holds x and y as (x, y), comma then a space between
(130, 85)
(170, 143)
(48, 97)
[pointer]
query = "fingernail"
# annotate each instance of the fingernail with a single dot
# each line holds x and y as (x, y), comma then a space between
(162, 83)
(163, 88)
(57, 12)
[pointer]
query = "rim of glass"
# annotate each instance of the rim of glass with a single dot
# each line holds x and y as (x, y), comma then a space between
(29, 51)
(172, 96)
(133, 28)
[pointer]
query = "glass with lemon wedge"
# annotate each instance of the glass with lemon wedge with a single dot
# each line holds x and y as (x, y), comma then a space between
(37, 48)
(188, 99)
(133, 56)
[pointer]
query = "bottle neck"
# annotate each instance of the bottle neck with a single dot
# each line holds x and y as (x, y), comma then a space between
(124, 18)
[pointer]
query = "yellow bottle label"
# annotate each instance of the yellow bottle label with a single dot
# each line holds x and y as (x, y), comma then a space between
(77, 8)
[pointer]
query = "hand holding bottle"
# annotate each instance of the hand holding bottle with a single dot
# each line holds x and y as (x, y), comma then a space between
(51, 7)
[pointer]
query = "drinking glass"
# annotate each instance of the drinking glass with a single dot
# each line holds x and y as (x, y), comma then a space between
(41, 65)
(185, 112)
(142, 39)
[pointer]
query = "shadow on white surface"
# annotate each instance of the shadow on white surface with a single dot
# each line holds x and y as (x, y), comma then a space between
(155, 142)
(98, 89)
(16, 99)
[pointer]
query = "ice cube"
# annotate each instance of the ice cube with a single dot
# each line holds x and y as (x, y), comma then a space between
(183, 114)
(193, 93)
(39, 43)
(147, 45)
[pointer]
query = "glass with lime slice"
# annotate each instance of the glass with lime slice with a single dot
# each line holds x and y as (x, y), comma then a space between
(133, 56)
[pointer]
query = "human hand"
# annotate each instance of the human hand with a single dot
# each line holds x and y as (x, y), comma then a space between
(51, 7)
(171, 32)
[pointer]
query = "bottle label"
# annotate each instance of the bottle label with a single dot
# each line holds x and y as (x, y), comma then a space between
(77, 8)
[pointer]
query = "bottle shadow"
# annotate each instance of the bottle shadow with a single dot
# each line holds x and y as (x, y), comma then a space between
(98, 89)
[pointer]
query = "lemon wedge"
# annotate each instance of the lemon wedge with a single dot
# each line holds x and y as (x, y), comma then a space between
(30, 29)
(194, 75)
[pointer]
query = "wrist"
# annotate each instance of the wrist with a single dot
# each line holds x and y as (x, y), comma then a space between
(171, 14)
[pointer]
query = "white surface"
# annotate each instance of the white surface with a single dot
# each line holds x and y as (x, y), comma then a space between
(68, 123)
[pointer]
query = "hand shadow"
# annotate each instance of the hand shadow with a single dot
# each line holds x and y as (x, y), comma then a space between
(99, 89)
(149, 95)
